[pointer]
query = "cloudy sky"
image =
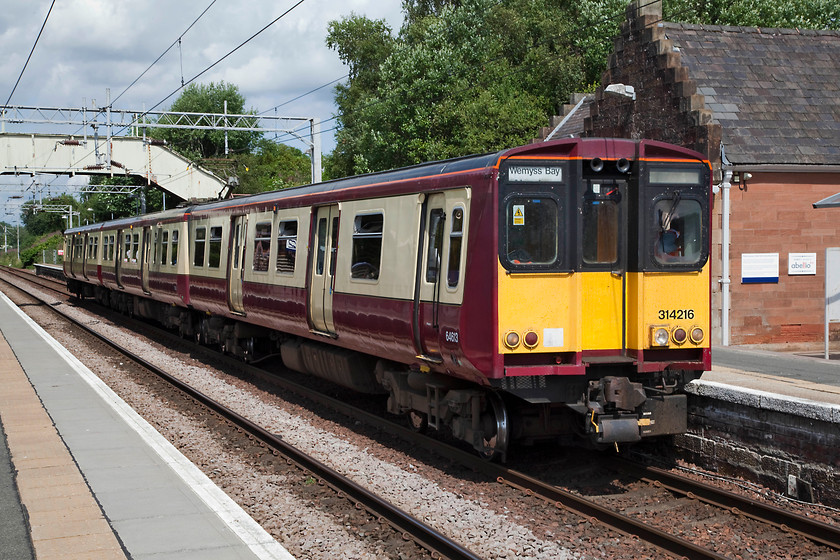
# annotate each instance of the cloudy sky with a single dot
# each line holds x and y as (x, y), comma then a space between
(88, 46)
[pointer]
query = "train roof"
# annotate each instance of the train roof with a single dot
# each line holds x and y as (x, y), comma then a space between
(569, 147)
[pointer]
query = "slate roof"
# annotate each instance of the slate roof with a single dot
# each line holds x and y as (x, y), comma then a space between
(775, 92)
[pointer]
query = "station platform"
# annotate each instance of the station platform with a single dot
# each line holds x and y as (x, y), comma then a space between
(798, 383)
(83, 476)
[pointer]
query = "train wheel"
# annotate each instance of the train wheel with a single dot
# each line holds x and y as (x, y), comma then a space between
(496, 430)
(417, 421)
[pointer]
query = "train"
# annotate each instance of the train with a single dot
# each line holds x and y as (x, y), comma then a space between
(555, 291)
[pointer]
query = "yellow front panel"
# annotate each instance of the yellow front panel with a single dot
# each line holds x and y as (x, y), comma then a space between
(668, 299)
(536, 302)
(569, 312)
(602, 314)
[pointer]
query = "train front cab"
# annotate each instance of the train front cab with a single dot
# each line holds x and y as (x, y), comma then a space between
(603, 286)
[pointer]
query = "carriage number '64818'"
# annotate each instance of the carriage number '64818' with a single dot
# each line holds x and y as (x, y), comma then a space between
(676, 314)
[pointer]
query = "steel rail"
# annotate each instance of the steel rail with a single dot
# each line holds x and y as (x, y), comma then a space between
(787, 521)
(438, 544)
(812, 529)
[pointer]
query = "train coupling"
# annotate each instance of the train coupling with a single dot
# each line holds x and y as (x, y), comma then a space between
(623, 412)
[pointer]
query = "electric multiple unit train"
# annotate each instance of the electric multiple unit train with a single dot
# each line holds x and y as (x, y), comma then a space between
(555, 290)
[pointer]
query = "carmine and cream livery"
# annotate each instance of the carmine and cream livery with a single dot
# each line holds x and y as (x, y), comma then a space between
(552, 290)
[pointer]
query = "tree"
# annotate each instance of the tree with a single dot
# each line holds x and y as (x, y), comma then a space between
(462, 77)
(106, 206)
(209, 98)
(467, 76)
(802, 14)
(39, 222)
(272, 166)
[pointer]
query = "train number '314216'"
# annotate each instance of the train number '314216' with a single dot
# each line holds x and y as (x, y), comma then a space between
(676, 314)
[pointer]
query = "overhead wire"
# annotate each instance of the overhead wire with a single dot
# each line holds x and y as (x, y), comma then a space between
(28, 58)
(137, 118)
(169, 48)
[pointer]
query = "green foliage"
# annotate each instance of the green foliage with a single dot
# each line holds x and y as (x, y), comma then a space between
(802, 14)
(106, 206)
(466, 76)
(32, 254)
(462, 77)
(39, 222)
(272, 166)
(209, 98)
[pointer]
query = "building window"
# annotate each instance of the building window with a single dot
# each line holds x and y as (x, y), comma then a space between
(367, 246)
(286, 246)
(262, 246)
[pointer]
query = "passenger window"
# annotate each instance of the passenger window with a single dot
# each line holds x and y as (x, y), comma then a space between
(679, 233)
(322, 246)
(334, 246)
(367, 246)
(173, 256)
(198, 246)
(262, 246)
(456, 237)
(135, 247)
(532, 230)
(164, 247)
(600, 223)
(433, 259)
(286, 246)
(95, 248)
(127, 248)
(215, 254)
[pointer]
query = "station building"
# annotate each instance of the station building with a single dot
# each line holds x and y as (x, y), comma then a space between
(764, 106)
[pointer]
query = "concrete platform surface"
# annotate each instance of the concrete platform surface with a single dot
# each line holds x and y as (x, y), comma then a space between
(120, 489)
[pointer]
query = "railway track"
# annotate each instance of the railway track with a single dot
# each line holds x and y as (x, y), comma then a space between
(727, 503)
(403, 523)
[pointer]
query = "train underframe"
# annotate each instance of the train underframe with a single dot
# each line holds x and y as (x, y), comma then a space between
(608, 406)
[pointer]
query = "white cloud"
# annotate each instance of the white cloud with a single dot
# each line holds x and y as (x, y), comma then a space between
(90, 45)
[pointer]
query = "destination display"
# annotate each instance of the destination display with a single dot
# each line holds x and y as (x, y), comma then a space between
(535, 174)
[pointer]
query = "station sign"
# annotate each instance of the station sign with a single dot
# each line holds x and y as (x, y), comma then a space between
(760, 268)
(802, 264)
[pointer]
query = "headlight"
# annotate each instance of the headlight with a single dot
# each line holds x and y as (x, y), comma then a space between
(659, 336)
(511, 340)
(697, 335)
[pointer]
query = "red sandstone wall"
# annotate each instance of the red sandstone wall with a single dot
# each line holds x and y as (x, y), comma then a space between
(774, 214)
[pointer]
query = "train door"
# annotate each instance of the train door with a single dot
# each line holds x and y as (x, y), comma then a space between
(236, 263)
(145, 252)
(85, 256)
(118, 259)
(428, 281)
(603, 234)
(324, 249)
